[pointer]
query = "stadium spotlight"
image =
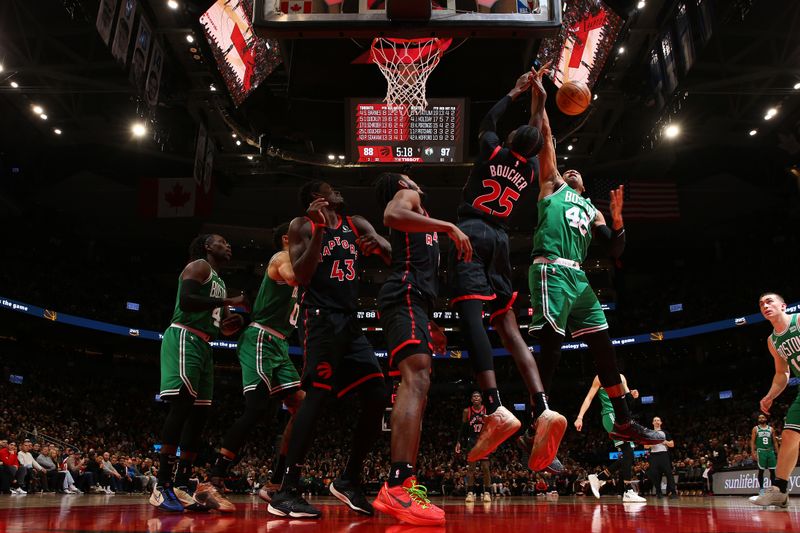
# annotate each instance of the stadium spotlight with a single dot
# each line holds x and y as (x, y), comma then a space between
(753, 132)
(14, 85)
(38, 109)
(640, 5)
(672, 131)
(621, 50)
(797, 86)
(43, 116)
(331, 157)
(57, 131)
(138, 129)
(238, 142)
(249, 157)
(172, 4)
(189, 39)
(771, 112)
(569, 147)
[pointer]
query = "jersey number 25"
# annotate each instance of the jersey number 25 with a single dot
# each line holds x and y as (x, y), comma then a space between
(505, 197)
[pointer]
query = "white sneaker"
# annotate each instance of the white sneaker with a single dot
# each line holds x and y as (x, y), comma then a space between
(772, 496)
(108, 490)
(21, 491)
(487, 498)
(470, 497)
(75, 490)
(595, 484)
(631, 497)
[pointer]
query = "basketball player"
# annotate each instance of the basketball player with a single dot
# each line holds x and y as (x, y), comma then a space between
(502, 176)
(267, 371)
(187, 371)
(765, 448)
(560, 293)
(405, 303)
(623, 465)
(471, 427)
(784, 345)
(324, 249)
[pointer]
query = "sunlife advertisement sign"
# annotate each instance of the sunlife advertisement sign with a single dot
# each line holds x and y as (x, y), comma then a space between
(746, 482)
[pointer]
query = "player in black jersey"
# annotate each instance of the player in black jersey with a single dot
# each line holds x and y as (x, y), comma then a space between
(324, 248)
(471, 427)
(503, 175)
(405, 302)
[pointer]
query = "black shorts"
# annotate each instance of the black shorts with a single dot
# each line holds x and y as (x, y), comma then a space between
(336, 355)
(405, 325)
(488, 276)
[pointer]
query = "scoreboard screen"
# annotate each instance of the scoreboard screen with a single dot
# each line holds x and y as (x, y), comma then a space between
(380, 133)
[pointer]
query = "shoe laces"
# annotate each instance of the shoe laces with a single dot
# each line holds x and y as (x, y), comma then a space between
(418, 493)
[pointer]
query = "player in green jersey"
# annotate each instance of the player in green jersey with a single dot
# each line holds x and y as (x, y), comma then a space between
(764, 447)
(784, 345)
(267, 372)
(560, 292)
(187, 370)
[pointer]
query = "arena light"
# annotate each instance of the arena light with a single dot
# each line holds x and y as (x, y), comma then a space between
(43, 116)
(621, 50)
(172, 4)
(753, 132)
(797, 86)
(38, 109)
(771, 112)
(189, 38)
(569, 147)
(640, 5)
(238, 143)
(249, 157)
(341, 157)
(212, 88)
(594, 96)
(1, 67)
(57, 131)
(14, 85)
(138, 129)
(331, 157)
(233, 135)
(672, 131)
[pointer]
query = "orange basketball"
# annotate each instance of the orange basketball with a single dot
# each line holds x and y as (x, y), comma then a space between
(573, 98)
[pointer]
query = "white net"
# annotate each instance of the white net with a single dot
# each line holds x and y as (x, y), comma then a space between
(406, 65)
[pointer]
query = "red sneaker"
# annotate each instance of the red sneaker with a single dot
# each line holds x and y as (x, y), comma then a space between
(409, 503)
(550, 428)
(497, 427)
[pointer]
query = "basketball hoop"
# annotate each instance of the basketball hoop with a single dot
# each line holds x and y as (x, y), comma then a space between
(406, 65)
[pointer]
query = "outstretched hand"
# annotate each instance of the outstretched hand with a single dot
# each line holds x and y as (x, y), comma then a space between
(537, 76)
(617, 200)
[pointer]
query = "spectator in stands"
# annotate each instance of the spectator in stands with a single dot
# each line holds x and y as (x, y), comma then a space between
(84, 480)
(51, 469)
(35, 475)
(719, 461)
(111, 479)
(149, 475)
(12, 477)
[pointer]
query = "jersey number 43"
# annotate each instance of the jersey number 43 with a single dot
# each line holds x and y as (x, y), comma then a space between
(338, 273)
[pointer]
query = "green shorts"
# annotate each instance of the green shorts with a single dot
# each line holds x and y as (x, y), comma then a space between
(767, 459)
(186, 361)
(608, 425)
(792, 420)
(561, 296)
(265, 357)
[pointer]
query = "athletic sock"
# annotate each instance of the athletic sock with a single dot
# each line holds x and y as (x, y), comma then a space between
(399, 473)
(782, 484)
(279, 470)
(183, 473)
(491, 398)
(291, 478)
(166, 471)
(622, 414)
(539, 404)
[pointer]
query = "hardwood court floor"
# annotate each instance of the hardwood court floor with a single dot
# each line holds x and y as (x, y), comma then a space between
(91, 513)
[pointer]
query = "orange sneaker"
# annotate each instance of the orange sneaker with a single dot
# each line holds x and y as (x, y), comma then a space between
(208, 495)
(409, 503)
(550, 428)
(497, 427)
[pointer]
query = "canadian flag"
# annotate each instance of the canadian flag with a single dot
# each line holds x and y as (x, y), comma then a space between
(296, 7)
(173, 198)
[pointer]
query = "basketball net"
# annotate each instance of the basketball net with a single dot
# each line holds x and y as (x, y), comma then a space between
(406, 65)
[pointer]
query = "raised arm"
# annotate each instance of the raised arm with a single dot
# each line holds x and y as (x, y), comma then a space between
(402, 213)
(614, 237)
(549, 178)
(538, 95)
(779, 382)
(369, 242)
(587, 402)
(280, 269)
(489, 122)
(305, 247)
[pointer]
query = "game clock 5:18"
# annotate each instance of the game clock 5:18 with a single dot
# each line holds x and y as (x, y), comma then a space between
(404, 151)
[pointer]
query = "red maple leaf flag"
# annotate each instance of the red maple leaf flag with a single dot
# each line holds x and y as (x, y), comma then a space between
(296, 7)
(177, 196)
(169, 197)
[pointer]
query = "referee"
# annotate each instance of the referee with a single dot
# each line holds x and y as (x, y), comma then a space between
(660, 462)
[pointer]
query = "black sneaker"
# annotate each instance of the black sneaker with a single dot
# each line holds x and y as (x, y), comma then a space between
(635, 432)
(555, 467)
(289, 503)
(352, 496)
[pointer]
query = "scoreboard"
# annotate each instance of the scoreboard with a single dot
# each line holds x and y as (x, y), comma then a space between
(380, 133)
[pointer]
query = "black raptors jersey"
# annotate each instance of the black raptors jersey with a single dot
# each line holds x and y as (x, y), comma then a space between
(497, 182)
(415, 263)
(334, 285)
(475, 421)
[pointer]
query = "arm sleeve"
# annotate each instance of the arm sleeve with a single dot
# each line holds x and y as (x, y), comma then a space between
(489, 122)
(614, 239)
(191, 301)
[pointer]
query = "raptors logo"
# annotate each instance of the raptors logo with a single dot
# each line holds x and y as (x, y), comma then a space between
(324, 370)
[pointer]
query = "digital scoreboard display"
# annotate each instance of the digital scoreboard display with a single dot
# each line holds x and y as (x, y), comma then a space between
(380, 133)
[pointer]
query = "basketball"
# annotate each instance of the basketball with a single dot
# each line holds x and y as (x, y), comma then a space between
(573, 97)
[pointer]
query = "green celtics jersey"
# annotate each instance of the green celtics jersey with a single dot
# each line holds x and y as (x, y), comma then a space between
(764, 438)
(205, 321)
(565, 225)
(787, 344)
(276, 304)
(605, 402)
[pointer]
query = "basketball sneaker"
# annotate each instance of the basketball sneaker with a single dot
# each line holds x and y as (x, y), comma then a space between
(595, 484)
(487, 498)
(635, 432)
(631, 497)
(772, 496)
(550, 427)
(164, 498)
(555, 467)
(290, 503)
(266, 492)
(188, 501)
(208, 496)
(525, 445)
(351, 495)
(409, 503)
(470, 497)
(497, 427)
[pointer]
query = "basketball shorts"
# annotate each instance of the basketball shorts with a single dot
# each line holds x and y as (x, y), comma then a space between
(767, 459)
(608, 425)
(186, 361)
(337, 355)
(265, 357)
(562, 297)
(792, 420)
(405, 326)
(488, 276)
